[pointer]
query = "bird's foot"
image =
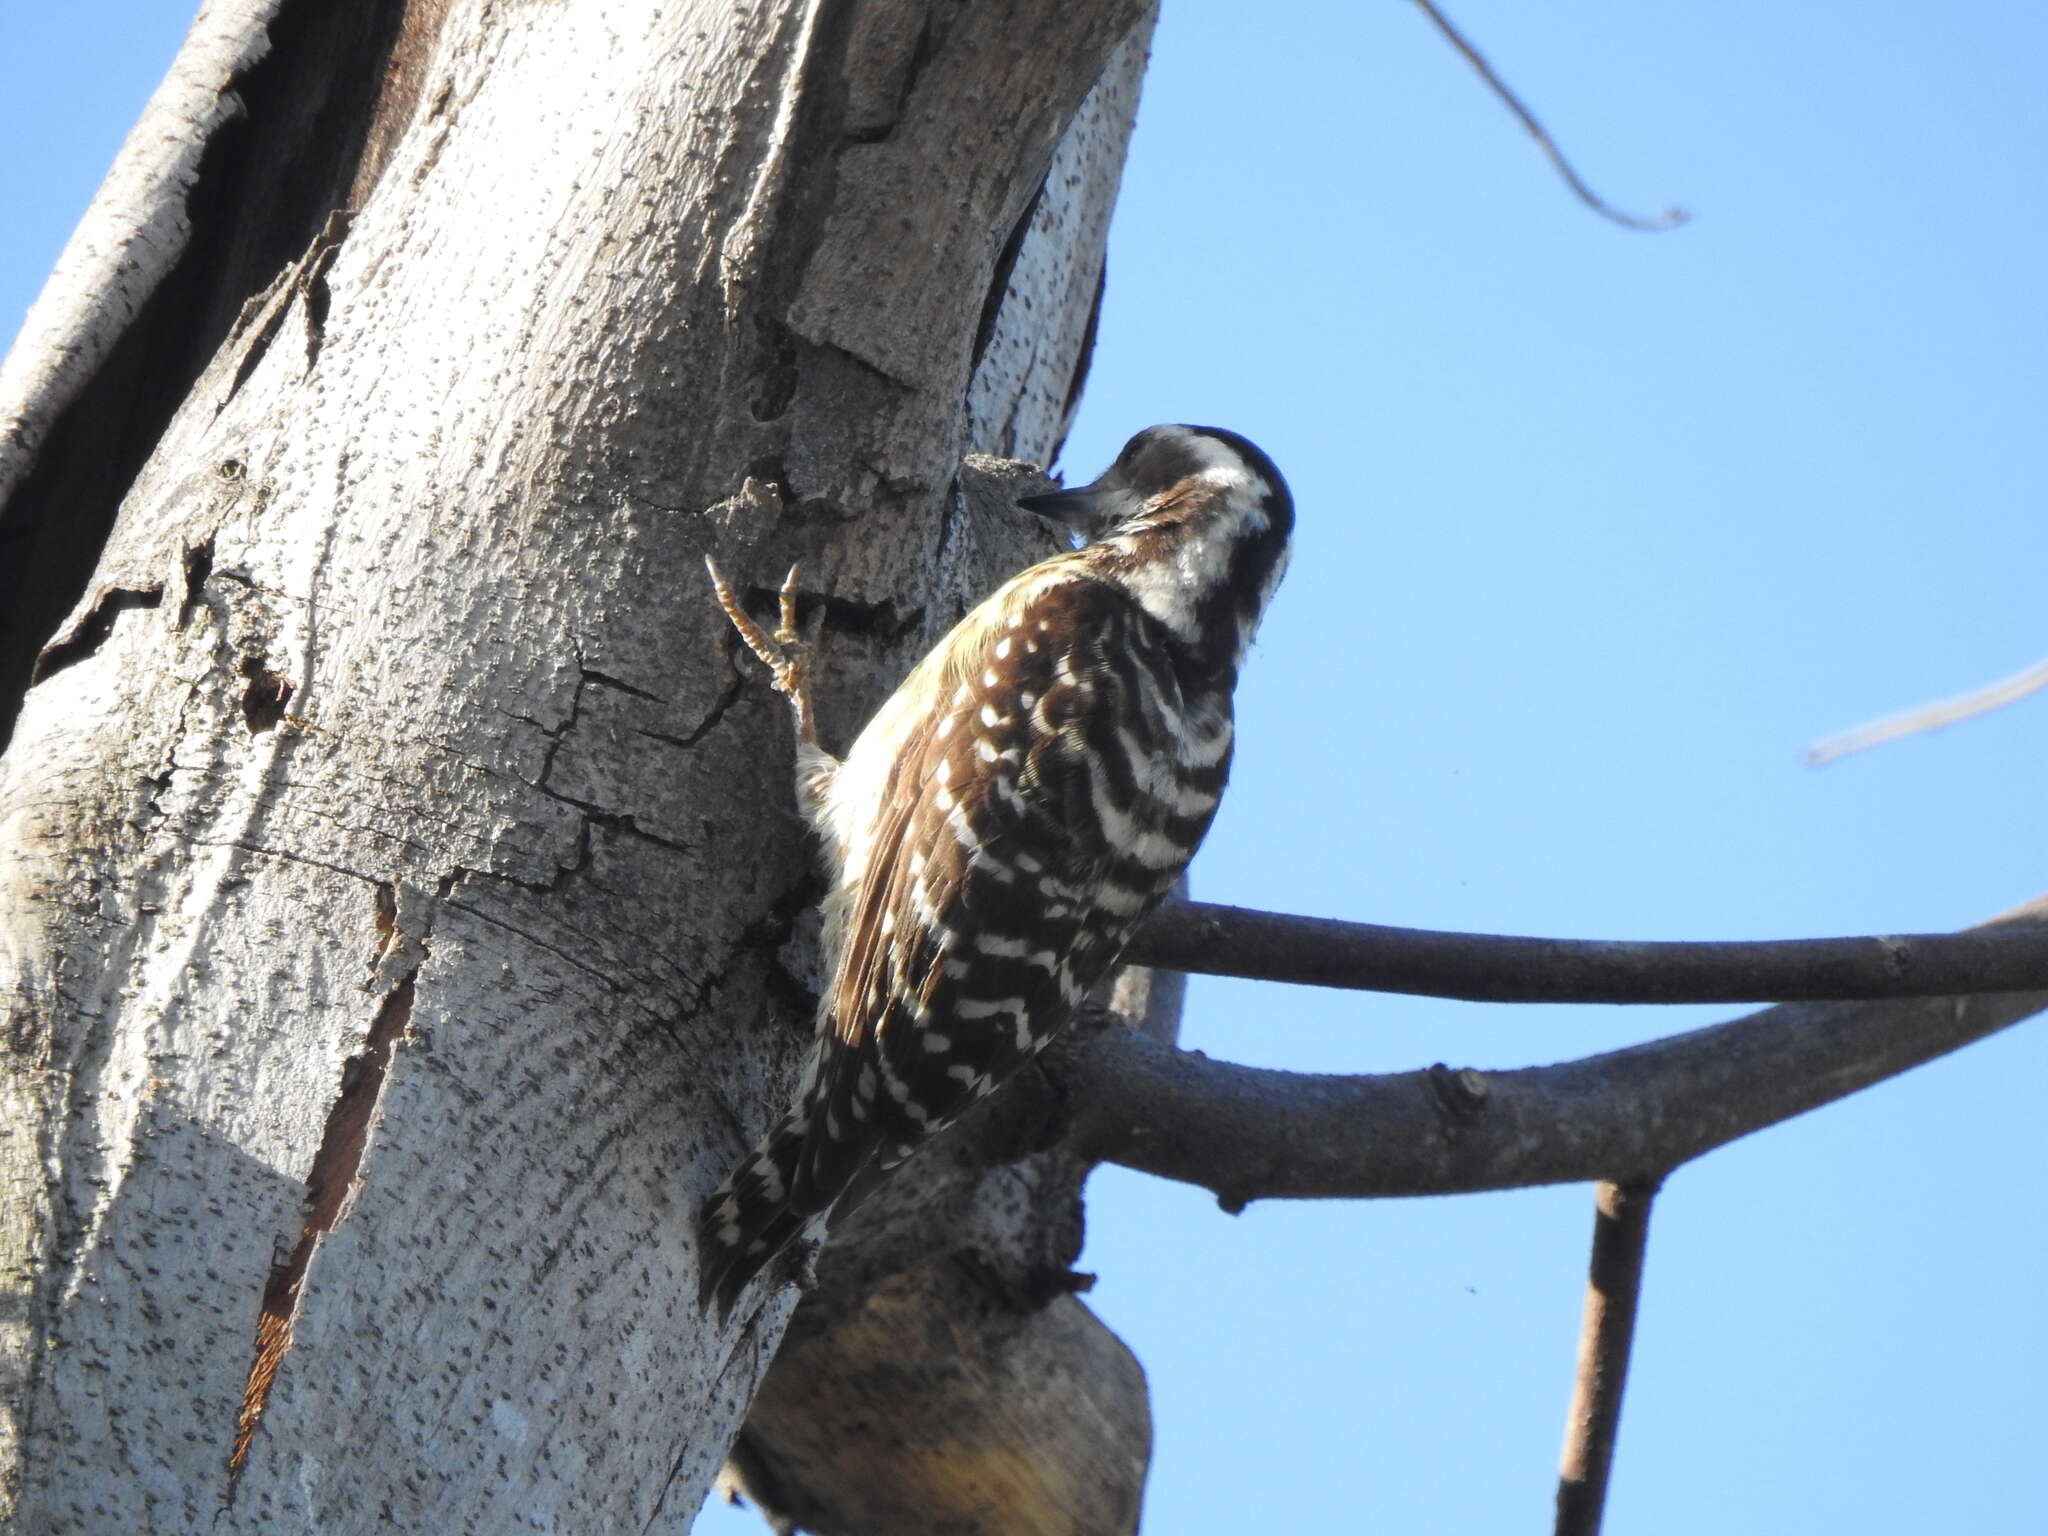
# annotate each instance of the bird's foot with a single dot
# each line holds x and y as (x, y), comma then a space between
(785, 653)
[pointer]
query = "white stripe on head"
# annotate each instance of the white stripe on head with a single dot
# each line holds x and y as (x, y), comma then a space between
(1218, 463)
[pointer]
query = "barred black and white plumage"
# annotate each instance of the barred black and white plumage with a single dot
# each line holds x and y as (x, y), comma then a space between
(1010, 814)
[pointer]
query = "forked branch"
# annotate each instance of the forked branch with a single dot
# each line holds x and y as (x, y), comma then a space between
(1248, 1133)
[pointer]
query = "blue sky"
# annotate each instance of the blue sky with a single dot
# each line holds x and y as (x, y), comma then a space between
(1596, 530)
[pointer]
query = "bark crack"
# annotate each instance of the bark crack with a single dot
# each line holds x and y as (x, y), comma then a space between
(609, 981)
(703, 728)
(313, 280)
(612, 821)
(288, 856)
(617, 821)
(197, 567)
(999, 279)
(606, 680)
(91, 632)
(331, 1182)
(304, 281)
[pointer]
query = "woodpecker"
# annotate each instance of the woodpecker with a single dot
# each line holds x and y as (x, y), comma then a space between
(1009, 815)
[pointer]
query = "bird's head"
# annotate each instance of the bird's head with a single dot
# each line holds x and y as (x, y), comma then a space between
(1194, 521)
(1166, 466)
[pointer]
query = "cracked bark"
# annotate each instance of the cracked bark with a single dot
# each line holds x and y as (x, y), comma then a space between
(387, 617)
(335, 1164)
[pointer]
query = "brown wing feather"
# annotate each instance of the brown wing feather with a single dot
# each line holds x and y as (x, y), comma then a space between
(986, 913)
(840, 1139)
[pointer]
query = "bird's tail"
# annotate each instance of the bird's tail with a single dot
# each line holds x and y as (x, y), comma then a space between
(750, 1219)
(798, 1172)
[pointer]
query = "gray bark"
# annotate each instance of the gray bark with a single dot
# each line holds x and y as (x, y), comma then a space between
(398, 942)
(130, 238)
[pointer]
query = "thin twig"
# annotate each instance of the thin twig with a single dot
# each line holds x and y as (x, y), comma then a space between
(1621, 1226)
(1322, 952)
(1931, 717)
(1670, 218)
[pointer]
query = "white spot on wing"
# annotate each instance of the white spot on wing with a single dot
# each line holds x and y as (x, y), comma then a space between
(1156, 852)
(987, 1008)
(987, 863)
(1119, 900)
(963, 831)
(927, 912)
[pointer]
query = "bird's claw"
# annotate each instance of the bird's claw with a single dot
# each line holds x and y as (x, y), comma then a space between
(785, 653)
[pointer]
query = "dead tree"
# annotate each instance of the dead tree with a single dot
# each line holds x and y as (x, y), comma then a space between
(406, 925)
(405, 920)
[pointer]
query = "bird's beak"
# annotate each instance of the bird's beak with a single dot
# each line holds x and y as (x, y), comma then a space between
(1085, 509)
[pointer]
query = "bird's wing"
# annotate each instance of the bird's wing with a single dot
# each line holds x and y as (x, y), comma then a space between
(1025, 832)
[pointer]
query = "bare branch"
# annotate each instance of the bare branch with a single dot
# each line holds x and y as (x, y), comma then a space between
(1621, 1226)
(1670, 218)
(1323, 952)
(1248, 1133)
(1931, 717)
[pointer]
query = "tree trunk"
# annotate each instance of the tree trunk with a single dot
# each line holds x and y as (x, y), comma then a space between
(404, 916)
